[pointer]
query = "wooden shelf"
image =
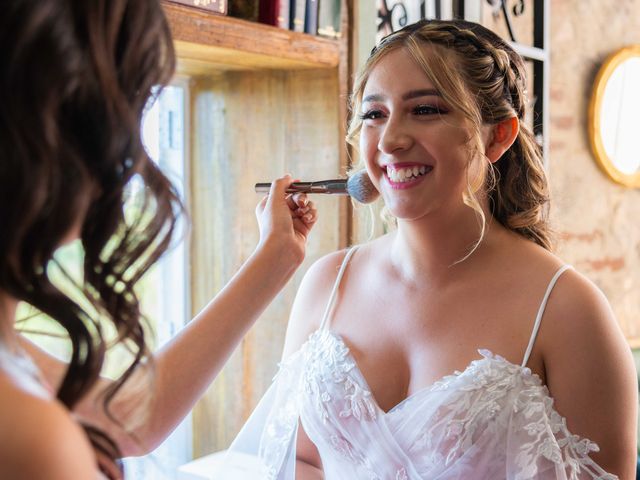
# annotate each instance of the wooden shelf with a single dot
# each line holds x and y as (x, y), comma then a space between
(206, 43)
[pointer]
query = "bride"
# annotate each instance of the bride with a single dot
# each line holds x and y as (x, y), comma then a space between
(458, 345)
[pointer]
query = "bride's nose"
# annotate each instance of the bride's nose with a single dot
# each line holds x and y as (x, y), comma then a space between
(394, 136)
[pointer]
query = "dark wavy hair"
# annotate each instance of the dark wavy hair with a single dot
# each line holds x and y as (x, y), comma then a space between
(75, 77)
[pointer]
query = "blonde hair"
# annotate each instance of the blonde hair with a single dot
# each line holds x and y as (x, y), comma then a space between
(481, 76)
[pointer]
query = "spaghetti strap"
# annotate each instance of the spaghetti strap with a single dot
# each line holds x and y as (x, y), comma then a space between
(334, 292)
(536, 325)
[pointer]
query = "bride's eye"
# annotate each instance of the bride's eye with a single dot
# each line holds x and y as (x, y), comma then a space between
(429, 110)
(370, 115)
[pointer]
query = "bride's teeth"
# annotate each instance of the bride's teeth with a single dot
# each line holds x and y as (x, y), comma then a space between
(401, 175)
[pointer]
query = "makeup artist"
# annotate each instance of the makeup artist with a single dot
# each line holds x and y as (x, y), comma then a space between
(75, 78)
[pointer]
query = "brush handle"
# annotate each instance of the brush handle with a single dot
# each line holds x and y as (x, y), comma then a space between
(335, 187)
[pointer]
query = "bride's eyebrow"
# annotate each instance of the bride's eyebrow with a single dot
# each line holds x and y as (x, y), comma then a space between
(424, 92)
(374, 97)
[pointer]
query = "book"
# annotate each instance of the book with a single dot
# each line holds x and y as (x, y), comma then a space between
(311, 17)
(246, 9)
(284, 14)
(268, 11)
(329, 18)
(216, 6)
(297, 15)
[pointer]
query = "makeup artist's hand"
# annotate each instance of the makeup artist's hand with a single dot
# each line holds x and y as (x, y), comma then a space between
(285, 220)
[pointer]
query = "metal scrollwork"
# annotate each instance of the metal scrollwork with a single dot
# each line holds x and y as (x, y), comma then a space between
(387, 15)
(501, 6)
(497, 5)
(518, 9)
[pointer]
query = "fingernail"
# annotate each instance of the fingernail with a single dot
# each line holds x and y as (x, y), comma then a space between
(308, 217)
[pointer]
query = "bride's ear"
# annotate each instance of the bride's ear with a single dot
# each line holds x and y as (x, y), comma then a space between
(501, 137)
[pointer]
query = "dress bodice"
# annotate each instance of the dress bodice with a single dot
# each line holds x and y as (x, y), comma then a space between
(493, 420)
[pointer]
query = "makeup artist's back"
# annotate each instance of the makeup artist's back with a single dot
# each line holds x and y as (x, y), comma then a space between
(75, 78)
(41, 440)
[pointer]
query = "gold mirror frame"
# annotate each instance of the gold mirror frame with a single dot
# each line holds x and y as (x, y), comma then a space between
(595, 106)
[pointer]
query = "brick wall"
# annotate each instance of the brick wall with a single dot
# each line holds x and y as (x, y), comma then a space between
(598, 222)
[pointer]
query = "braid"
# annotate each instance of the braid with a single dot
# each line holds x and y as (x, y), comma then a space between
(461, 37)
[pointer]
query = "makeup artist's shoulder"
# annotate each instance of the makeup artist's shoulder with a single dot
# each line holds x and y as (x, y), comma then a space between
(41, 438)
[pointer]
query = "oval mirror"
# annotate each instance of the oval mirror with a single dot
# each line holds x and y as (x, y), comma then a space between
(614, 120)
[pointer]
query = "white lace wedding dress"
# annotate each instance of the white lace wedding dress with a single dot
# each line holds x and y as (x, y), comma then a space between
(494, 420)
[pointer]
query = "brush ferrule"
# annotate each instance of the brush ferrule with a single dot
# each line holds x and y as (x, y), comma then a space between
(335, 187)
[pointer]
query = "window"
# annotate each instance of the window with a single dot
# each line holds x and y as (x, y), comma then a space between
(164, 292)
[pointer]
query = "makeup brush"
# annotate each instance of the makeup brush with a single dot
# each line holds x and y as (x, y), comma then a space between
(357, 186)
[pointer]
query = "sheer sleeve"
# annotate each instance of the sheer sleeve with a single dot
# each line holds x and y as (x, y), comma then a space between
(539, 444)
(266, 443)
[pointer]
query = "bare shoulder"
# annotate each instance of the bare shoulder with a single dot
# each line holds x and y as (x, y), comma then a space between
(578, 310)
(590, 371)
(45, 441)
(311, 299)
(576, 307)
(580, 332)
(579, 327)
(325, 269)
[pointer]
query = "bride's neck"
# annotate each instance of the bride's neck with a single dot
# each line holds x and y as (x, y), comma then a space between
(432, 246)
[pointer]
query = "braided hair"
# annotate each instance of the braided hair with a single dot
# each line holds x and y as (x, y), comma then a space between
(479, 74)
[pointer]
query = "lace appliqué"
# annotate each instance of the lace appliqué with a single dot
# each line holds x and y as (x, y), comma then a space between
(327, 359)
(492, 389)
(480, 403)
(401, 474)
(550, 439)
(349, 453)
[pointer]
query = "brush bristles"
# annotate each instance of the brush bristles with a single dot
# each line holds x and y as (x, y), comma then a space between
(359, 186)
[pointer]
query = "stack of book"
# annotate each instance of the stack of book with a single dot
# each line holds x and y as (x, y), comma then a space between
(215, 6)
(316, 17)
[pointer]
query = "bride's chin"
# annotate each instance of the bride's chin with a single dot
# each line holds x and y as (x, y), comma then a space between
(406, 212)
